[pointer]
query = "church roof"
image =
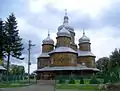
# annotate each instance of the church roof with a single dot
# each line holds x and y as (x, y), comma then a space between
(68, 27)
(44, 55)
(62, 50)
(64, 32)
(48, 40)
(84, 38)
(60, 68)
(85, 53)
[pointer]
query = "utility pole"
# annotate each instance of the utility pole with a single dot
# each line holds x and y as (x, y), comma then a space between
(29, 63)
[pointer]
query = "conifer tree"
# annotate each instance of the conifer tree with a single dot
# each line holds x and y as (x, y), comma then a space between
(2, 41)
(14, 45)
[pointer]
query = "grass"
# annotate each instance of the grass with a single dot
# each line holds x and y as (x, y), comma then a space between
(86, 81)
(12, 84)
(76, 86)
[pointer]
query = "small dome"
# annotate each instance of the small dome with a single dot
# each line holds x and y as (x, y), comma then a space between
(84, 39)
(48, 40)
(64, 32)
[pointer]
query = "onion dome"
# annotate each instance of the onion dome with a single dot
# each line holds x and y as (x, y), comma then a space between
(66, 23)
(63, 32)
(48, 40)
(84, 38)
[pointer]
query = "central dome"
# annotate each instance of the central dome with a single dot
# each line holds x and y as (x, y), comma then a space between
(66, 24)
(64, 32)
(69, 28)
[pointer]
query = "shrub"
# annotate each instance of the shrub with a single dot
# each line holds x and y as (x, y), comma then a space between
(61, 81)
(94, 80)
(81, 81)
(71, 81)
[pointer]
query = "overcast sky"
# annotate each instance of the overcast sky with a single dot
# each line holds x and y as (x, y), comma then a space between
(99, 18)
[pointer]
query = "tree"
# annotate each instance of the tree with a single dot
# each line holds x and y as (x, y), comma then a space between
(17, 72)
(103, 64)
(14, 46)
(115, 58)
(2, 41)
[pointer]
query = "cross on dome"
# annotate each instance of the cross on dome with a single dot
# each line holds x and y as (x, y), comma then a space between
(83, 32)
(48, 33)
(65, 12)
(65, 18)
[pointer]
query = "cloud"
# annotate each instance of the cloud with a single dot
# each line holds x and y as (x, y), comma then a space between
(93, 7)
(111, 15)
(100, 18)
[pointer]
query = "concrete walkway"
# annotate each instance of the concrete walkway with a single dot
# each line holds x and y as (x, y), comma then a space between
(41, 86)
(36, 87)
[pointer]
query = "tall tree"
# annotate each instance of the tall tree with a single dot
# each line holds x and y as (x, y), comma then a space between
(103, 64)
(2, 41)
(14, 46)
(115, 58)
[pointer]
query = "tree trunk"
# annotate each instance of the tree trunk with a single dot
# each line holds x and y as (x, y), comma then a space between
(8, 63)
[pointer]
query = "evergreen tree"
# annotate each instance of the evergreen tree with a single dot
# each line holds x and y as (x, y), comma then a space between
(14, 46)
(2, 41)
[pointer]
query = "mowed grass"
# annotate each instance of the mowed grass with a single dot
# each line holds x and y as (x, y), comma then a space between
(86, 81)
(77, 87)
(13, 84)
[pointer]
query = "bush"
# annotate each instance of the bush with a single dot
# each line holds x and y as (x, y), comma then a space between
(71, 81)
(61, 81)
(94, 80)
(81, 81)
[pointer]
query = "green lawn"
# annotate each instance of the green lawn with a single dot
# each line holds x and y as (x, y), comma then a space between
(76, 86)
(86, 81)
(12, 84)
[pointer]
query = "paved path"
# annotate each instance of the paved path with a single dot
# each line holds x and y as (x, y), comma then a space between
(41, 86)
(36, 87)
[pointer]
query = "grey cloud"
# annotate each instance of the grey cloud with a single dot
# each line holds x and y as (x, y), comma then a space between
(53, 18)
(84, 21)
(111, 15)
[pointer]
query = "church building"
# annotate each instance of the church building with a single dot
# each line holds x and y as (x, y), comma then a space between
(65, 57)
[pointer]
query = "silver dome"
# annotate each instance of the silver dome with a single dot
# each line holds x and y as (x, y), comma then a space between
(84, 39)
(71, 29)
(63, 32)
(48, 40)
(66, 24)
